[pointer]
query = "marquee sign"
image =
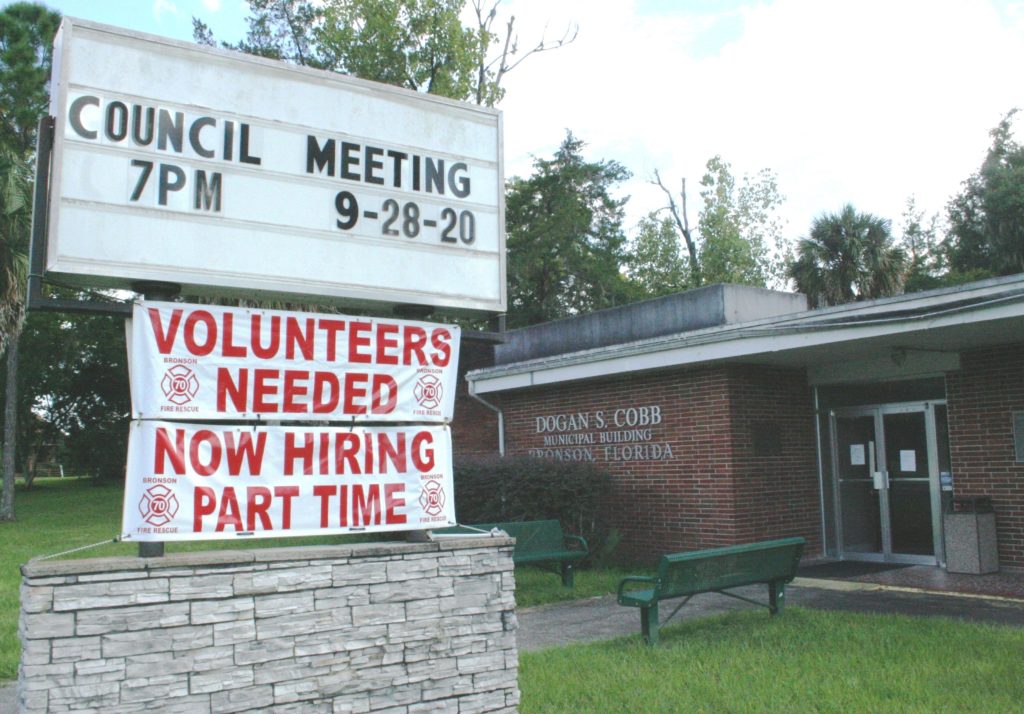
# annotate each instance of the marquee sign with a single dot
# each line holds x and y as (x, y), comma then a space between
(201, 482)
(224, 172)
(213, 362)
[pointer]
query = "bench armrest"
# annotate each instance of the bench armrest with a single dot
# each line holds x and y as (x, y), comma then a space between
(580, 539)
(636, 579)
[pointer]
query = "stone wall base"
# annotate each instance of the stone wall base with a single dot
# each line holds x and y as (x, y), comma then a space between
(395, 627)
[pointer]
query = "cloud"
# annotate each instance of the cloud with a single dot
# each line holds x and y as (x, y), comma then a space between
(212, 5)
(847, 101)
(163, 7)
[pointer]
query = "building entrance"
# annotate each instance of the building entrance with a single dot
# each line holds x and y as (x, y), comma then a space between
(890, 464)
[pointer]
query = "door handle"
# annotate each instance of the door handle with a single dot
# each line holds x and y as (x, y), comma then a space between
(880, 480)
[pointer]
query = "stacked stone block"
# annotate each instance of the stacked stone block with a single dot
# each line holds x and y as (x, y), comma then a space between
(387, 627)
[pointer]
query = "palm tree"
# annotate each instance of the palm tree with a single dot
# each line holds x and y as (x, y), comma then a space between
(26, 57)
(848, 256)
(15, 216)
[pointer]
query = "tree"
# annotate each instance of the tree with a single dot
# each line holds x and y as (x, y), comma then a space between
(15, 203)
(925, 267)
(26, 56)
(73, 384)
(986, 220)
(739, 234)
(848, 256)
(418, 44)
(655, 265)
(565, 239)
(421, 45)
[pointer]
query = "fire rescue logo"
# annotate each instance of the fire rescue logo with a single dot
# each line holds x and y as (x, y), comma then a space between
(158, 505)
(432, 498)
(179, 385)
(428, 391)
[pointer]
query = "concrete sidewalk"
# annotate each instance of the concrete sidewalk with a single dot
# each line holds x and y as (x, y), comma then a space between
(602, 618)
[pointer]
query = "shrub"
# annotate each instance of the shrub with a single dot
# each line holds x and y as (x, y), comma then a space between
(520, 488)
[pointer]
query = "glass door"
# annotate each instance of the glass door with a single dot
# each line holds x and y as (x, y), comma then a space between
(860, 510)
(886, 465)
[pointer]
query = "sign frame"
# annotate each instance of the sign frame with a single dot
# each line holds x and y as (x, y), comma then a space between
(472, 278)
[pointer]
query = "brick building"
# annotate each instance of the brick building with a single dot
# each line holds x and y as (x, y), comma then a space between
(729, 414)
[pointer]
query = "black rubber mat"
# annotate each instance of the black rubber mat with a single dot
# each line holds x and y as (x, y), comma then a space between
(843, 569)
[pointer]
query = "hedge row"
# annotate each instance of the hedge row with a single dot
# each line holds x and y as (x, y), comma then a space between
(522, 488)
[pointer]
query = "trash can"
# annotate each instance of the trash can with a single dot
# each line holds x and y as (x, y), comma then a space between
(970, 530)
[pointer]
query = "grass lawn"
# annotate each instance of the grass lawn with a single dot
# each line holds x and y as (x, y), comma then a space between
(803, 661)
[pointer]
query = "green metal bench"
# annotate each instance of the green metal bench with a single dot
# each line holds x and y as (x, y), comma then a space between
(772, 563)
(536, 542)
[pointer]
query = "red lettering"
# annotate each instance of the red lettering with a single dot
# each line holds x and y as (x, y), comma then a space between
(366, 505)
(325, 453)
(286, 494)
(332, 328)
(295, 337)
(384, 395)
(359, 343)
(355, 389)
(324, 493)
(227, 388)
(441, 341)
(293, 390)
(255, 331)
(294, 452)
(345, 450)
(393, 452)
(391, 502)
(228, 514)
(258, 500)
(387, 339)
(261, 390)
(230, 349)
(414, 342)
(164, 340)
(204, 502)
(325, 383)
(192, 323)
(165, 450)
(423, 451)
(245, 450)
(198, 439)
(368, 453)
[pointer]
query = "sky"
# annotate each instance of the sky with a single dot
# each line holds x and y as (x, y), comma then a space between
(846, 101)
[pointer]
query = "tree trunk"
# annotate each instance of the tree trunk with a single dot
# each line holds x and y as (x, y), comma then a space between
(10, 430)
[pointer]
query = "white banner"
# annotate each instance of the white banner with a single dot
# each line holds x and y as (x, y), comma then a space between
(204, 482)
(210, 362)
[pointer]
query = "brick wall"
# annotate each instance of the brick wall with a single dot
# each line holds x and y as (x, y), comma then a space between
(713, 490)
(776, 481)
(982, 397)
(475, 426)
(424, 627)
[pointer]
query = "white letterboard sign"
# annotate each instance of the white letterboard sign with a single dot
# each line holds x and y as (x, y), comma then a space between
(230, 363)
(228, 173)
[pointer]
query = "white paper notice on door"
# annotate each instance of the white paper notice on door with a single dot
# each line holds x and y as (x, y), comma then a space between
(857, 455)
(908, 460)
